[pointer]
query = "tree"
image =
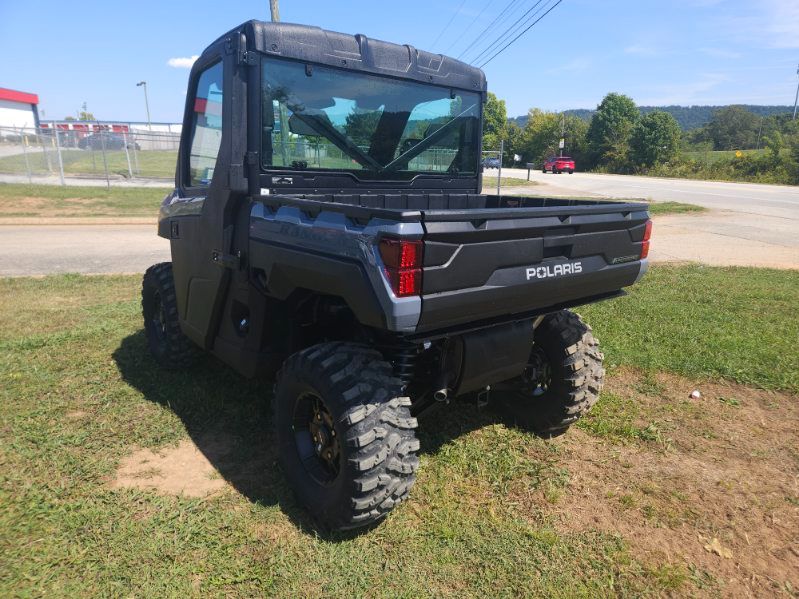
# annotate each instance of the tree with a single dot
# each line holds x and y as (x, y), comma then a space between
(495, 122)
(610, 130)
(775, 143)
(733, 128)
(513, 144)
(542, 132)
(655, 138)
(361, 126)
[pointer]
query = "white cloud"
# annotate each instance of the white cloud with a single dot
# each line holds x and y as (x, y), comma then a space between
(769, 24)
(720, 53)
(784, 23)
(640, 50)
(699, 91)
(182, 62)
(578, 64)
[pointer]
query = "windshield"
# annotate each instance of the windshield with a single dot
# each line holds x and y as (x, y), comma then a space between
(322, 118)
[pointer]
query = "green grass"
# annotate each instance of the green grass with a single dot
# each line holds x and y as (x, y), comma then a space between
(661, 208)
(79, 392)
(490, 183)
(151, 163)
(21, 200)
(711, 156)
(73, 345)
(735, 323)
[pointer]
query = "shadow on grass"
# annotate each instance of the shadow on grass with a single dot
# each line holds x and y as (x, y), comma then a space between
(228, 419)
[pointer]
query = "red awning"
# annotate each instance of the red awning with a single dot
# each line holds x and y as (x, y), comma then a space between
(14, 96)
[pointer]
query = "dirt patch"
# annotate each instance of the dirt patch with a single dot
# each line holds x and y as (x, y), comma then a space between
(181, 470)
(712, 492)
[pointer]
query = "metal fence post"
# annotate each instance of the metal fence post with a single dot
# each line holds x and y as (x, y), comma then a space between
(127, 154)
(499, 170)
(105, 159)
(58, 151)
(24, 140)
(136, 158)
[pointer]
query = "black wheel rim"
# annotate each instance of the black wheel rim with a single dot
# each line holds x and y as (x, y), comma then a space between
(538, 374)
(316, 439)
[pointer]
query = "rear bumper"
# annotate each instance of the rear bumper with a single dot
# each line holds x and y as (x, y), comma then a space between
(507, 293)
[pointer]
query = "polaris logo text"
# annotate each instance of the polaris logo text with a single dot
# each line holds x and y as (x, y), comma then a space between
(557, 270)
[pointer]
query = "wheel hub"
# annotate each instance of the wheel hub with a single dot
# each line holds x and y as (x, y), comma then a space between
(314, 430)
(538, 374)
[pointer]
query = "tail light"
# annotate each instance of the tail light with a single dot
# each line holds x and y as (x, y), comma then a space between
(645, 244)
(402, 260)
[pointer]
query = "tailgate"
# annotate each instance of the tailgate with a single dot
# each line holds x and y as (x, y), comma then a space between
(493, 264)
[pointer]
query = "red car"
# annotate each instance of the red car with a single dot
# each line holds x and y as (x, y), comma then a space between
(559, 164)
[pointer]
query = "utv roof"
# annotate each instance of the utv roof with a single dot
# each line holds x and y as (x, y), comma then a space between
(358, 52)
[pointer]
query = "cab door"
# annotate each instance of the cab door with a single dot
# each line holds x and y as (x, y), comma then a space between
(209, 180)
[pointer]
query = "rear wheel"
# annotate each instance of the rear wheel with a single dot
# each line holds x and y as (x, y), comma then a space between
(345, 434)
(544, 170)
(563, 378)
(167, 343)
(571, 171)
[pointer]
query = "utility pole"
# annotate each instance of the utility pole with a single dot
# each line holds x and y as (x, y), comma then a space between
(282, 114)
(797, 95)
(562, 131)
(146, 102)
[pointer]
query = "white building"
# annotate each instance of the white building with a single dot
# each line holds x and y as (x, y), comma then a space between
(18, 109)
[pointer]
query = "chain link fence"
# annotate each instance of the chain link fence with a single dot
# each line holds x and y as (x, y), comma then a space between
(119, 155)
(53, 153)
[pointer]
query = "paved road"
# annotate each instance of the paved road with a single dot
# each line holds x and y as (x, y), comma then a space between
(748, 224)
(89, 249)
(755, 225)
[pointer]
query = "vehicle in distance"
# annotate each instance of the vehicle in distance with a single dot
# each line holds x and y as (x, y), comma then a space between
(327, 228)
(491, 162)
(559, 164)
(108, 141)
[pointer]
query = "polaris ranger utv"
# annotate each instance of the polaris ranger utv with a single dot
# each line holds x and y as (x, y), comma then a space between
(327, 228)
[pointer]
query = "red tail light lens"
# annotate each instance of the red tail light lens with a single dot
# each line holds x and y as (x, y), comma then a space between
(647, 236)
(403, 265)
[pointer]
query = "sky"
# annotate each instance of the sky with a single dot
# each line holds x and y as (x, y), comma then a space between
(686, 52)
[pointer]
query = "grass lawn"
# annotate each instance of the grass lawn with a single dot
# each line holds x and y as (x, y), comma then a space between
(495, 512)
(661, 208)
(490, 183)
(20, 200)
(151, 163)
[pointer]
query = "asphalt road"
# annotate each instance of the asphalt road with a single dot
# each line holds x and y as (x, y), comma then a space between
(755, 225)
(88, 249)
(747, 224)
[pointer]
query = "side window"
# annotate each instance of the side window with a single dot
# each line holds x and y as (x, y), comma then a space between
(206, 126)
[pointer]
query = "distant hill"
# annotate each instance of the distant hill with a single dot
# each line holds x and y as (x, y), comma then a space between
(689, 117)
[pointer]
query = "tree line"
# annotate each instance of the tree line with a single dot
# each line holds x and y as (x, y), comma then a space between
(620, 138)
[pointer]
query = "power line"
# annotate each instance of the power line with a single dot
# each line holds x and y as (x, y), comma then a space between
(487, 29)
(455, 14)
(520, 22)
(465, 31)
(521, 34)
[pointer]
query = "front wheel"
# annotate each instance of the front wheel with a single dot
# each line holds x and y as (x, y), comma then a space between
(168, 345)
(571, 171)
(345, 434)
(563, 378)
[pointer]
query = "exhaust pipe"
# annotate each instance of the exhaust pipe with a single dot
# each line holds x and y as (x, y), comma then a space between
(441, 395)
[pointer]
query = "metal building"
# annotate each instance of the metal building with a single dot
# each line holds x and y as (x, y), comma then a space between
(18, 109)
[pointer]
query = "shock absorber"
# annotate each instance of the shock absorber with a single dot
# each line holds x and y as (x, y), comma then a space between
(404, 356)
